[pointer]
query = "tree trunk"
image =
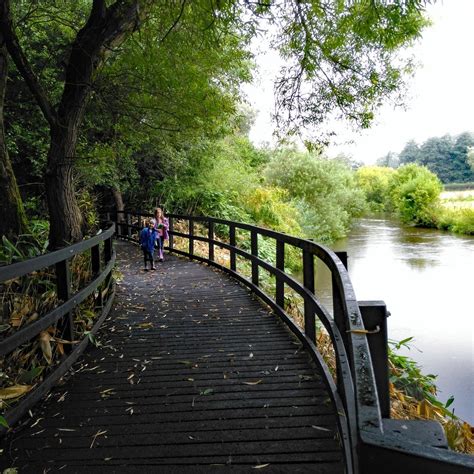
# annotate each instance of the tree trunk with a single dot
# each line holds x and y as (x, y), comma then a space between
(64, 214)
(119, 203)
(12, 214)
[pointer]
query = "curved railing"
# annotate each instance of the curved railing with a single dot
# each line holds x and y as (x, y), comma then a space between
(371, 441)
(102, 266)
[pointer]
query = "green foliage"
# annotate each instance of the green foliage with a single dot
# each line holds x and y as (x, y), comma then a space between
(26, 246)
(414, 192)
(212, 178)
(374, 181)
(460, 221)
(341, 57)
(406, 375)
(323, 191)
(447, 157)
(269, 207)
(88, 208)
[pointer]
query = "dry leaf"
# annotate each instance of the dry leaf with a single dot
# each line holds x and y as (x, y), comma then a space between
(319, 428)
(14, 391)
(145, 325)
(260, 466)
(252, 383)
(45, 344)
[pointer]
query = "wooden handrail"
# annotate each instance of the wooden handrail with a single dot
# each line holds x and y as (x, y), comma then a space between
(61, 314)
(364, 434)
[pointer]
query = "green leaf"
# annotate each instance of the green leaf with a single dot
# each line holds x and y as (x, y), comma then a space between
(207, 391)
(3, 422)
(449, 402)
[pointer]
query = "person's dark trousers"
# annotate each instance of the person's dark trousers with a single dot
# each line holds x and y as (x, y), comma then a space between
(148, 257)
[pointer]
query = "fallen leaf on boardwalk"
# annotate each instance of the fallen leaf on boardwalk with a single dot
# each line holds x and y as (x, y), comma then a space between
(251, 355)
(252, 383)
(36, 422)
(260, 466)
(66, 429)
(107, 459)
(45, 344)
(107, 393)
(145, 325)
(207, 391)
(319, 428)
(14, 391)
(62, 397)
(99, 433)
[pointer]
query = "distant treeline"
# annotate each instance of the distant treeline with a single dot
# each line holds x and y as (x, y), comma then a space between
(450, 158)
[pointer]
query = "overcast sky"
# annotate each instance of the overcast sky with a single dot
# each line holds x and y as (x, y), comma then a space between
(440, 98)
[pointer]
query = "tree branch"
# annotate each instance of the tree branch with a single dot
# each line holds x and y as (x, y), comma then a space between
(21, 62)
(183, 3)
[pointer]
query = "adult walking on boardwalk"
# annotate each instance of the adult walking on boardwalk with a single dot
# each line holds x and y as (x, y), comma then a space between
(161, 225)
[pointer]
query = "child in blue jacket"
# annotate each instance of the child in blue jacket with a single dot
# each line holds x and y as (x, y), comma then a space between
(148, 237)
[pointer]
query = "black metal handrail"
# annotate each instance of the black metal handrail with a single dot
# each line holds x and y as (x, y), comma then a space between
(62, 314)
(367, 441)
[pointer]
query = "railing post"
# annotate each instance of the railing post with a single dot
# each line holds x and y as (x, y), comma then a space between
(339, 317)
(211, 243)
(279, 283)
(63, 285)
(233, 260)
(107, 250)
(170, 233)
(308, 281)
(129, 223)
(95, 262)
(337, 303)
(117, 225)
(191, 237)
(254, 249)
(374, 315)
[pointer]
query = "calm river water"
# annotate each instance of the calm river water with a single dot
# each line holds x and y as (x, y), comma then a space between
(426, 278)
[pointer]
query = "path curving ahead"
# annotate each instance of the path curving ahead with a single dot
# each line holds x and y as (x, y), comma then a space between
(192, 374)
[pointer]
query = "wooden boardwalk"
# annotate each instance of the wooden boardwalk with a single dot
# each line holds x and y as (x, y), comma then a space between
(192, 374)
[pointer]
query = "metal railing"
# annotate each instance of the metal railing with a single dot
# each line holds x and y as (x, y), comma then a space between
(62, 314)
(372, 443)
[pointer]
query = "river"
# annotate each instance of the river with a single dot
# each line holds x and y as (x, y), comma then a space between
(426, 278)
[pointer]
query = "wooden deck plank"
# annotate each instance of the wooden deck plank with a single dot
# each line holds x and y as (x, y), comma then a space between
(192, 373)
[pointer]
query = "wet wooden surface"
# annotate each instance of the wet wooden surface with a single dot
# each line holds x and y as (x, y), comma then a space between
(192, 374)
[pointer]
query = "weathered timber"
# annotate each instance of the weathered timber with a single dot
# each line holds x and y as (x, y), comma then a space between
(191, 372)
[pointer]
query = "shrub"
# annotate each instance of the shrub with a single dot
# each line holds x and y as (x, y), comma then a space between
(374, 181)
(414, 192)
